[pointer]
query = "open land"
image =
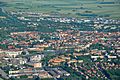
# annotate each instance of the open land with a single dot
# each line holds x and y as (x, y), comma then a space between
(70, 8)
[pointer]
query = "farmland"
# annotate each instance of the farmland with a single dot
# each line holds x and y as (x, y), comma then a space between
(70, 8)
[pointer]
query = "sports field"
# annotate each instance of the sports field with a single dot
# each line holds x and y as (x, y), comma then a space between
(71, 8)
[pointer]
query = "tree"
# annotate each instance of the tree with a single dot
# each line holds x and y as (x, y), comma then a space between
(37, 78)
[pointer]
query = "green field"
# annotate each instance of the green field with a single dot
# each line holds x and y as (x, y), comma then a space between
(72, 8)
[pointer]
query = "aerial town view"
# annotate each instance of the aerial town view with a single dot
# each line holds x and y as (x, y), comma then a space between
(59, 39)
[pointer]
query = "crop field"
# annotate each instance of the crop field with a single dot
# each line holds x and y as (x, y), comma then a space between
(70, 8)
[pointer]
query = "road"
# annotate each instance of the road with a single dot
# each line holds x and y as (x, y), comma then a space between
(104, 72)
(3, 74)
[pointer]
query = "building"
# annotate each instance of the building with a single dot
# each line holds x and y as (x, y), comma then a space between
(11, 53)
(37, 65)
